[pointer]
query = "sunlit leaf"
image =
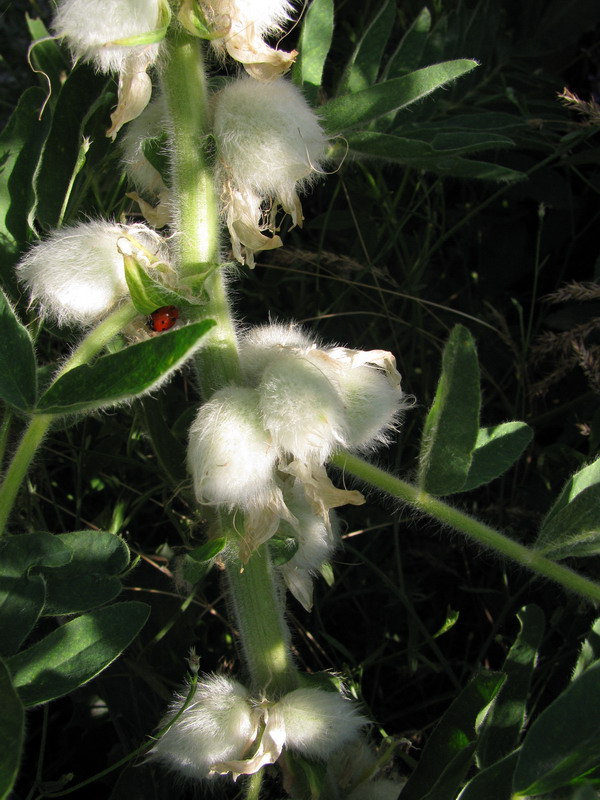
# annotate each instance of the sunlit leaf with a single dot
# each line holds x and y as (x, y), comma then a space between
(121, 376)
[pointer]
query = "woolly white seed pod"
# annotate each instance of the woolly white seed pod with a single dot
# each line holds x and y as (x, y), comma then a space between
(149, 125)
(372, 406)
(230, 454)
(89, 26)
(269, 141)
(218, 725)
(301, 409)
(78, 274)
(265, 343)
(318, 722)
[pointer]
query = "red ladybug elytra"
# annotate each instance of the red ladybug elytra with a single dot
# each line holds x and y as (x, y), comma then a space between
(163, 318)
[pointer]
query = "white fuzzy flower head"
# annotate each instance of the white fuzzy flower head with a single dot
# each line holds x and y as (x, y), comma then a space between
(301, 409)
(218, 725)
(77, 275)
(265, 343)
(95, 31)
(89, 27)
(270, 146)
(230, 454)
(318, 722)
(244, 24)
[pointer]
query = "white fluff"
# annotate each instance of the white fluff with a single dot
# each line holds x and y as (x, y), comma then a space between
(89, 26)
(301, 409)
(230, 455)
(77, 275)
(318, 722)
(267, 16)
(218, 725)
(264, 343)
(371, 403)
(269, 140)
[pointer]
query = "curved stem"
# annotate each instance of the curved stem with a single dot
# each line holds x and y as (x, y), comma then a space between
(478, 531)
(38, 426)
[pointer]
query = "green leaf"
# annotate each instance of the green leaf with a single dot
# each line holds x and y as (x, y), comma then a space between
(23, 594)
(477, 170)
(282, 549)
(414, 152)
(121, 376)
(62, 156)
(90, 578)
(409, 52)
(363, 67)
(496, 450)
(563, 742)
(452, 424)
(315, 40)
(18, 377)
(76, 652)
(12, 733)
(575, 529)
(500, 731)
(456, 731)
(584, 478)
(493, 783)
(350, 110)
(197, 564)
(20, 146)
(452, 777)
(589, 652)
(146, 294)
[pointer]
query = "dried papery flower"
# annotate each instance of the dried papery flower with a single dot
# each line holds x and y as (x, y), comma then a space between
(99, 31)
(219, 724)
(77, 275)
(243, 25)
(231, 456)
(316, 541)
(317, 722)
(269, 147)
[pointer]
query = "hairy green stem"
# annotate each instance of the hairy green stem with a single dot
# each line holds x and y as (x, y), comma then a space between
(38, 426)
(478, 531)
(262, 628)
(263, 631)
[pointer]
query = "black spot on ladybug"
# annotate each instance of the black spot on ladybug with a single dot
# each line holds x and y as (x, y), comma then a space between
(163, 318)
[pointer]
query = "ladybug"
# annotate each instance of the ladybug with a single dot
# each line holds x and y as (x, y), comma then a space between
(163, 318)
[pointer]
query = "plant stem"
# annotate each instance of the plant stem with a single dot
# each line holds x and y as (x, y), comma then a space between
(196, 213)
(39, 423)
(263, 631)
(262, 628)
(478, 531)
